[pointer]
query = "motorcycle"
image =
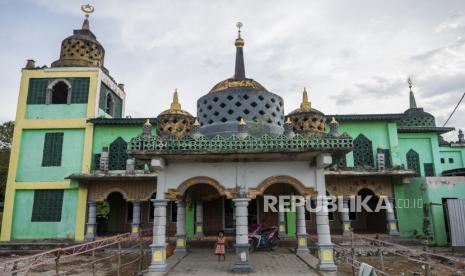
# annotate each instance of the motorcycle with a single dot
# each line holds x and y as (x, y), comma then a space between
(264, 238)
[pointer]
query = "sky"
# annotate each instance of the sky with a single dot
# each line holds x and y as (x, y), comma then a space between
(353, 57)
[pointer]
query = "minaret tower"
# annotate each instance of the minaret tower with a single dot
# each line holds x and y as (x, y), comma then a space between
(53, 138)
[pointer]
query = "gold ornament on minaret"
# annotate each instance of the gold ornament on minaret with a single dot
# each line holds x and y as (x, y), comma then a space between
(239, 40)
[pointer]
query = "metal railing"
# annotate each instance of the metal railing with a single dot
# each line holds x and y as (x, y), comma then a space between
(127, 249)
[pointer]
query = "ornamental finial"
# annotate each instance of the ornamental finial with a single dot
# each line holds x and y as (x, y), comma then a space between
(239, 41)
(87, 9)
(413, 102)
(196, 122)
(333, 121)
(242, 122)
(175, 105)
(147, 122)
(305, 105)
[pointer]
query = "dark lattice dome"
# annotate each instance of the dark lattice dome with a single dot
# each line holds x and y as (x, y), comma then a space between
(239, 97)
(306, 120)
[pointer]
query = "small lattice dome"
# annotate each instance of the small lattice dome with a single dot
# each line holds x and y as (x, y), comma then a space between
(417, 117)
(307, 120)
(81, 49)
(174, 121)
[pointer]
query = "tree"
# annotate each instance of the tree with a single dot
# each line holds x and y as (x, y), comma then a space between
(6, 138)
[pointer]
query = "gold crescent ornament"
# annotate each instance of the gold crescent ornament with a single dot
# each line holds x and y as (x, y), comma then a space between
(87, 9)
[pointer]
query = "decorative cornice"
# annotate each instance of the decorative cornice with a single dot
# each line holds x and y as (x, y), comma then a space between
(121, 121)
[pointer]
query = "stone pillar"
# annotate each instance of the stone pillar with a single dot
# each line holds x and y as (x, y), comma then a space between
(325, 246)
(391, 218)
(91, 225)
(242, 263)
(135, 225)
(346, 227)
(199, 220)
(181, 227)
(301, 230)
(282, 224)
(158, 247)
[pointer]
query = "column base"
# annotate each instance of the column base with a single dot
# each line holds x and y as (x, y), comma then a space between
(199, 231)
(326, 258)
(180, 244)
(158, 263)
(91, 230)
(392, 228)
(135, 230)
(282, 230)
(242, 263)
(346, 229)
(302, 246)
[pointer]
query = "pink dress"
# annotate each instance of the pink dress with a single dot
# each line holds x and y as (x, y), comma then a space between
(219, 249)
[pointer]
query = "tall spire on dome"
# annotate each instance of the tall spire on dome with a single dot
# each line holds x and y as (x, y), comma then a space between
(413, 103)
(87, 9)
(175, 105)
(239, 72)
(306, 105)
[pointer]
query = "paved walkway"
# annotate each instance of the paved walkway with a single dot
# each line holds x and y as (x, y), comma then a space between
(279, 262)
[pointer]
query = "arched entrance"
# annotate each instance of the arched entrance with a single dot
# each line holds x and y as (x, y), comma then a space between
(369, 222)
(204, 204)
(114, 215)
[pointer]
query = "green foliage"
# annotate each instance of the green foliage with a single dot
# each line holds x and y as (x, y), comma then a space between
(103, 209)
(6, 138)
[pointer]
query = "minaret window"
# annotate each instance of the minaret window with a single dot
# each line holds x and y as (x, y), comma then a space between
(109, 105)
(59, 92)
(363, 152)
(413, 161)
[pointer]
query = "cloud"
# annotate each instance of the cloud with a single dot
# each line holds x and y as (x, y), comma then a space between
(353, 56)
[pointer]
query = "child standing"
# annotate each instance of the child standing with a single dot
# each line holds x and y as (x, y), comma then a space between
(220, 246)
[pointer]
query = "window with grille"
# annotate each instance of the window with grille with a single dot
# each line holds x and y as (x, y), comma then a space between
(363, 152)
(443, 161)
(47, 205)
(53, 146)
(37, 91)
(413, 162)
(429, 169)
(110, 102)
(118, 155)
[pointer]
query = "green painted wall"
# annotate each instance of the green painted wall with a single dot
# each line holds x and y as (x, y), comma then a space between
(435, 194)
(104, 135)
(456, 154)
(291, 224)
(31, 151)
(23, 228)
(381, 134)
(430, 191)
(425, 144)
(409, 208)
(190, 221)
(53, 111)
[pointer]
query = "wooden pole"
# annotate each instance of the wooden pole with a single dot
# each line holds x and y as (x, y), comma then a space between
(119, 259)
(380, 253)
(428, 258)
(352, 252)
(93, 262)
(57, 263)
(141, 254)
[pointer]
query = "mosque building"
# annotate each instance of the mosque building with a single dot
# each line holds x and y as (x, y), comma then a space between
(80, 168)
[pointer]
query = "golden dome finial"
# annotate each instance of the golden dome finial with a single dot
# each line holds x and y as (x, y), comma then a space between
(239, 41)
(242, 122)
(306, 105)
(288, 121)
(147, 122)
(333, 121)
(175, 105)
(87, 9)
(196, 122)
